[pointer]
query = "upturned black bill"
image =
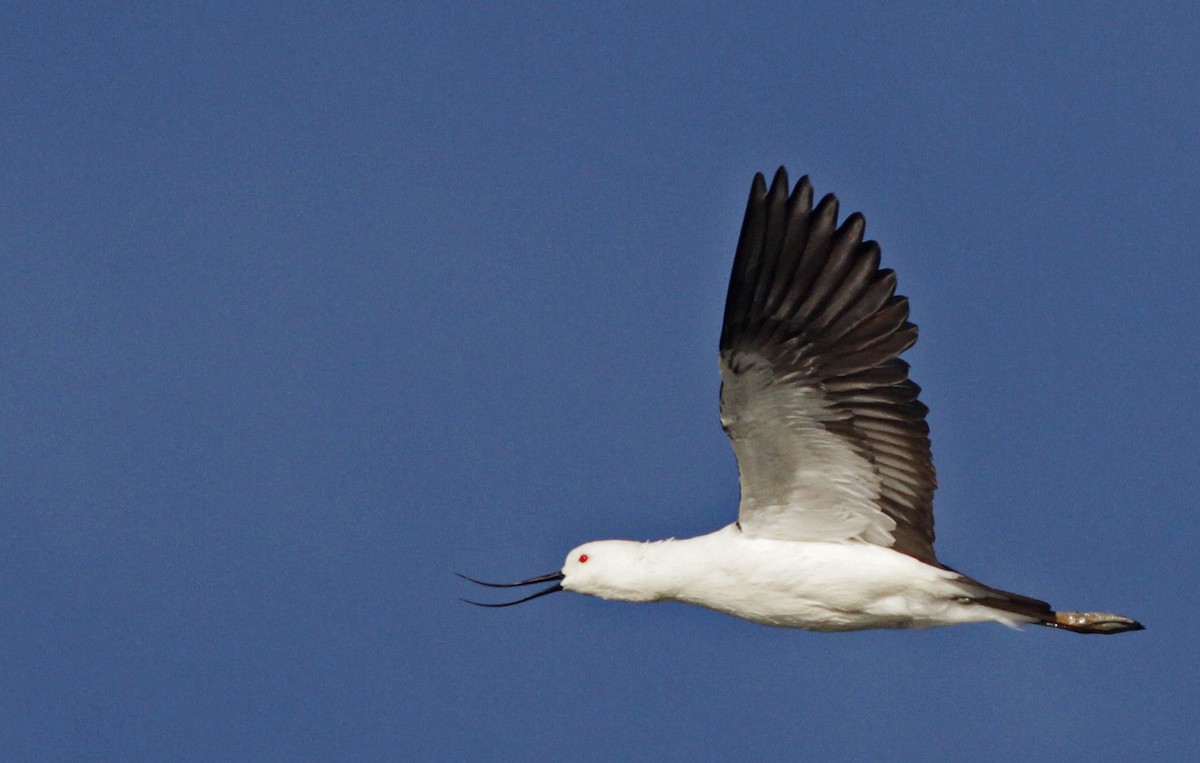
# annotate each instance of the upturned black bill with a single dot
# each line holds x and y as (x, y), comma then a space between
(556, 576)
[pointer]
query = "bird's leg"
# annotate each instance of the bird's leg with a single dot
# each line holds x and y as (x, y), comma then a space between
(1094, 622)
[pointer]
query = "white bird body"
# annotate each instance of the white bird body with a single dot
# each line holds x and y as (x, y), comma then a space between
(835, 523)
(819, 586)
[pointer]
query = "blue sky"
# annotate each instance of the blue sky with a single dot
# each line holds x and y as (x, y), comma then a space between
(306, 307)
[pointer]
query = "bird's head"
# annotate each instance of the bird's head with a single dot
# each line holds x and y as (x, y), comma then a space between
(610, 569)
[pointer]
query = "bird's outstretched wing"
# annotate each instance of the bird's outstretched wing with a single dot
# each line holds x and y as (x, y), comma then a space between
(831, 441)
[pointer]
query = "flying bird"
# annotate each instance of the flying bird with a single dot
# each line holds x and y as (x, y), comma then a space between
(835, 525)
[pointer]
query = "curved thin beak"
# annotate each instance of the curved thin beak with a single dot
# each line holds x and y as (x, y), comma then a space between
(555, 576)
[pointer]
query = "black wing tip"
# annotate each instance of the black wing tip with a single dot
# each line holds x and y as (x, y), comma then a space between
(827, 207)
(758, 188)
(780, 179)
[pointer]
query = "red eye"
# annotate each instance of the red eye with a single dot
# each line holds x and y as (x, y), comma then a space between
(582, 558)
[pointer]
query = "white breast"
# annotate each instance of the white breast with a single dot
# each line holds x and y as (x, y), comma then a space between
(812, 585)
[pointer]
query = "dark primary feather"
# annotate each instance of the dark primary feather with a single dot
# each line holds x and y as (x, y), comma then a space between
(808, 299)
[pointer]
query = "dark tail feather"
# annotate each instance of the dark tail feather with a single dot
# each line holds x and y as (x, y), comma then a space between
(1040, 612)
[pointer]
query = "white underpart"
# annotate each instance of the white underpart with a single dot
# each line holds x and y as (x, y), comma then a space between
(820, 586)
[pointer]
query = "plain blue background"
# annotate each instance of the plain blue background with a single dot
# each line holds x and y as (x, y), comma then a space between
(306, 306)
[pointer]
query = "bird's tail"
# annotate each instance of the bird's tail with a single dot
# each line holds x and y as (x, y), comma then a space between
(1040, 613)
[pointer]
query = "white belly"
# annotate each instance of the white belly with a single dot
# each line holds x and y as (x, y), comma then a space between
(820, 586)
